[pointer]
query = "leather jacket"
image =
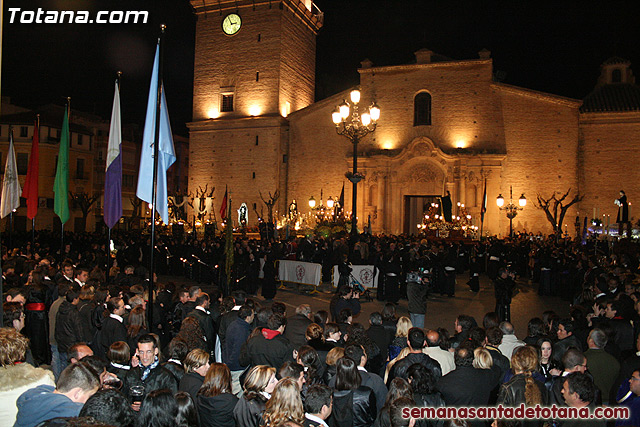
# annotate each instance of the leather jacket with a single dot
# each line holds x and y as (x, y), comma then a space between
(355, 408)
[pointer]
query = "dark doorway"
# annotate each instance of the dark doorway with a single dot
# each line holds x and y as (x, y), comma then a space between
(414, 209)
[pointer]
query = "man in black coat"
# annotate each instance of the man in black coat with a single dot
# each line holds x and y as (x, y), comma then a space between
(369, 379)
(239, 298)
(500, 361)
(416, 342)
(68, 329)
(297, 326)
(379, 334)
(205, 321)
(466, 385)
(270, 347)
(112, 328)
(148, 373)
(565, 341)
(238, 333)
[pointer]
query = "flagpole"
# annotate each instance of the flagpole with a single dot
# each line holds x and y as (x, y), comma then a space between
(154, 188)
(33, 220)
(62, 223)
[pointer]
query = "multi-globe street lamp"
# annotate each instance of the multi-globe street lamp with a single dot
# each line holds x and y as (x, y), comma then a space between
(511, 208)
(354, 125)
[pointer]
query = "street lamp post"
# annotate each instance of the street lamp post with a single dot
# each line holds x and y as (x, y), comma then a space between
(511, 208)
(355, 125)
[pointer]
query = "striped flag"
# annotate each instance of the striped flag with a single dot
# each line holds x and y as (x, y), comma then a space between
(113, 174)
(61, 183)
(10, 185)
(223, 206)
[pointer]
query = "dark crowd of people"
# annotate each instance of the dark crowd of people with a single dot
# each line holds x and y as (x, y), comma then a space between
(78, 347)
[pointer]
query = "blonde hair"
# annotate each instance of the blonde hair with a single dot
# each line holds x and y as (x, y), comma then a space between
(13, 347)
(285, 405)
(195, 359)
(403, 353)
(314, 331)
(257, 380)
(525, 361)
(334, 354)
(403, 326)
(482, 358)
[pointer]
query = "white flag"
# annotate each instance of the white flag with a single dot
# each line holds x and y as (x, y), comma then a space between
(10, 186)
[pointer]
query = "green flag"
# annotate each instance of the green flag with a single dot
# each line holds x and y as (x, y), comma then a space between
(61, 183)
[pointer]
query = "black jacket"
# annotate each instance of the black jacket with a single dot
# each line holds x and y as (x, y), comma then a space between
(191, 383)
(112, 330)
(248, 413)
(374, 382)
(68, 328)
(175, 368)
(512, 394)
(238, 332)
(353, 408)
(217, 411)
(560, 347)
(158, 379)
(382, 337)
(262, 351)
(206, 324)
(468, 386)
(225, 320)
(296, 330)
(401, 367)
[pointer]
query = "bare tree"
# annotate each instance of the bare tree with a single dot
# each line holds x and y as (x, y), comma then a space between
(272, 201)
(556, 208)
(83, 201)
(136, 214)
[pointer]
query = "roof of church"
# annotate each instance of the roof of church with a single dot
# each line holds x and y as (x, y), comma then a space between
(616, 97)
(615, 60)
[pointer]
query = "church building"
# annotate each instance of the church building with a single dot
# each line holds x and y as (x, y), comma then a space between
(445, 125)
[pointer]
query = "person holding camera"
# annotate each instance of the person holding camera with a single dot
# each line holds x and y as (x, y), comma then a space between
(504, 286)
(418, 283)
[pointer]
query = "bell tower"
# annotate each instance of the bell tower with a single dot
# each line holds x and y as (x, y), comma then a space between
(254, 65)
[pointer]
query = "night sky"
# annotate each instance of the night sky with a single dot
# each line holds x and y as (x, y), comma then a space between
(554, 47)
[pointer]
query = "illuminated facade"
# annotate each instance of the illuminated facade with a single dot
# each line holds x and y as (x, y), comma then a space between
(445, 125)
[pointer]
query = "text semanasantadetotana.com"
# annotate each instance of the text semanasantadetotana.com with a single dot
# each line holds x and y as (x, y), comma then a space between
(517, 413)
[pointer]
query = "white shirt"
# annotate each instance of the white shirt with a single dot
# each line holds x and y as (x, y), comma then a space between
(360, 368)
(443, 357)
(115, 316)
(79, 282)
(201, 309)
(316, 419)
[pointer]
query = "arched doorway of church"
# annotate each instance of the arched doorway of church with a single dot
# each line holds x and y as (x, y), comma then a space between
(415, 207)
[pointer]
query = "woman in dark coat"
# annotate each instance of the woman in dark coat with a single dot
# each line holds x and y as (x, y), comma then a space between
(425, 393)
(258, 386)
(196, 365)
(215, 401)
(353, 404)
(523, 388)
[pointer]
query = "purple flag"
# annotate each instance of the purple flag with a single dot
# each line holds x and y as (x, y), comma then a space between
(113, 175)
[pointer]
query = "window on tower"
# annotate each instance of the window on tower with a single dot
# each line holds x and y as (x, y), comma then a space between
(227, 103)
(422, 109)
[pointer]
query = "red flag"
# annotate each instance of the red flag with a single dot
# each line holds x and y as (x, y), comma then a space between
(484, 202)
(223, 207)
(30, 189)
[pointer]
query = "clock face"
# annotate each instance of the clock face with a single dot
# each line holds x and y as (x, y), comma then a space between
(231, 24)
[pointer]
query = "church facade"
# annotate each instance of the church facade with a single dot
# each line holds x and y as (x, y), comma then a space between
(445, 125)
